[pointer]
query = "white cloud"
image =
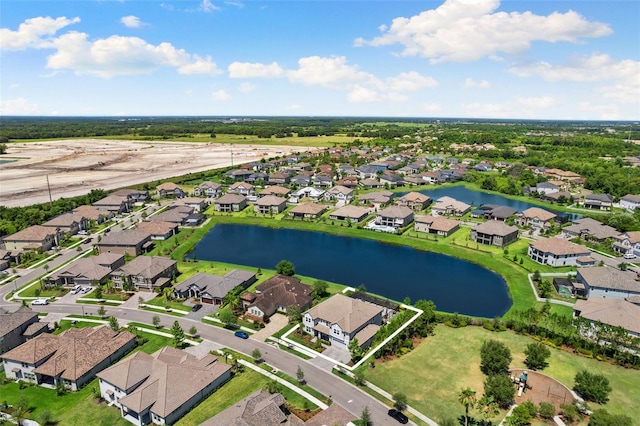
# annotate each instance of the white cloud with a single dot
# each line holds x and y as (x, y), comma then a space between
(221, 95)
(247, 87)
(410, 81)
(363, 94)
(18, 106)
(208, 6)
(254, 70)
(329, 72)
(430, 107)
(33, 32)
(471, 83)
(118, 55)
(293, 107)
(604, 111)
(468, 30)
(520, 107)
(540, 102)
(131, 21)
(237, 4)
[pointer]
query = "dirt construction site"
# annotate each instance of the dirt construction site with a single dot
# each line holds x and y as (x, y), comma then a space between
(75, 167)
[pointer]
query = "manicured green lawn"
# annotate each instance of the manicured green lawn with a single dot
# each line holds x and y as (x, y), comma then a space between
(432, 374)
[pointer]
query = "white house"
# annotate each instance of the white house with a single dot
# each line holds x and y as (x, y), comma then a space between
(610, 283)
(627, 243)
(559, 252)
(630, 202)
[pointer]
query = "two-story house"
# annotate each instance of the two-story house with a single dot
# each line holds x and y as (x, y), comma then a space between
(627, 243)
(395, 217)
(208, 189)
(145, 273)
(494, 233)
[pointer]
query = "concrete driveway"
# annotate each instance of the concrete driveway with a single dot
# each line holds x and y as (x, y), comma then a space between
(276, 323)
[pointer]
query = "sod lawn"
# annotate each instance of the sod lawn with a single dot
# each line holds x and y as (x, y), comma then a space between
(438, 368)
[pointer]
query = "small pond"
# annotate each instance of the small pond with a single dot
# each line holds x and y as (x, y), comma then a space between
(392, 271)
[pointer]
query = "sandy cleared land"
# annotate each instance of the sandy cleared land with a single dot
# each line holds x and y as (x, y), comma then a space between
(75, 167)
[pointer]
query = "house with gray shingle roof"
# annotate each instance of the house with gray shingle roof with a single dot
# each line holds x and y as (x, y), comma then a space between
(230, 203)
(211, 289)
(613, 312)
(590, 229)
(162, 387)
(145, 273)
(494, 233)
(114, 204)
(395, 216)
(378, 198)
(130, 241)
(436, 225)
(18, 326)
(86, 271)
(70, 223)
(208, 188)
(340, 319)
(598, 202)
(607, 282)
(277, 294)
(630, 202)
(270, 204)
(261, 408)
(70, 359)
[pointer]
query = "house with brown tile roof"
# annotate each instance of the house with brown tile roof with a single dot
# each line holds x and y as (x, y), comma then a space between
(208, 188)
(557, 252)
(607, 282)
(92, 213)
(334, 415)
(378, 198)
(261, 408)
(162, 387)
(158, 229)
(86, 271)
(270, 204)
(175, 214)
(436, 225)
(450, 207)
(341, 319)
(277, 294)
(536, 218)
(494, 233)
(69, 223)
(230, 203)
(347, 213)
(339, 193)
(278, 191)
(18, 326)
(414, 200)
(36, 237)
(349, 182)
(114, 204)
(145, 273)
(130, 241)
(308, 210)
(613, 312)
(395, 216)
(371, 183)
(70, 359)
(241, 188)
(170, 189)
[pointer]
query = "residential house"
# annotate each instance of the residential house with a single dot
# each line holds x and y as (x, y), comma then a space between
(239, 174)
(561, 174)
(114, 204)
(598, 202)
(68, 223)
(494, 233)
(208, 189)
(70, 359)
(395, 216)
(308, 210)
(627, 243)
(558, 252)
(392, 180)
(174, 214)
(145, 273)
(276, 294)
(414, 200)
(162, 387)
(590, 229)
(7, 257)
(436, 225)
(135, 196)
(546, 188)
(278, 191)
(279, 178)
(334, 415)
(607, 282)
(367, 172)
(313, 194)
(559, 197)
(258, 178)
(211, 289)
(339, 193)
(230, 203)
(341, 319)
(349, 182)
(86, 271)
(130, 241)
(301, 180)
(376, 199)
(194, 203)
(170, 189)
(261, 408)
(19, 326)
(613, 312)
(536, 217)
(499, 213)
(322, 181)
(371, 183)
(36, 237)
(241, 188)
(353, 214)
(449, 206)
(346, 170)
(630, 202)
(159, 230)
(270, 204)
(93, 214)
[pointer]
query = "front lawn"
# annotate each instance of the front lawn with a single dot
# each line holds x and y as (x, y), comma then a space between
(436, 370)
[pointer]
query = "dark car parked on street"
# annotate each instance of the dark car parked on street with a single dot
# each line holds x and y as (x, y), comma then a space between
(399, 416)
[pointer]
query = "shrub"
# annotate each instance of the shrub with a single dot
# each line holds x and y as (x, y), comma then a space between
(547, 410)
(592, 387)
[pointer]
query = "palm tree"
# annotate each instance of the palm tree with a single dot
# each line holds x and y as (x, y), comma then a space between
(467, 397)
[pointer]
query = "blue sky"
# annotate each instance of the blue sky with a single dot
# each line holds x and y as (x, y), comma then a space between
(454, 58)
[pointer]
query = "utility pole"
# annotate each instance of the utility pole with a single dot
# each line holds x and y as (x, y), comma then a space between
(49, 188)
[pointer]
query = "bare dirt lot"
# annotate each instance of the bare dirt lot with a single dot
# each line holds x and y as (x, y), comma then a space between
(75, 167)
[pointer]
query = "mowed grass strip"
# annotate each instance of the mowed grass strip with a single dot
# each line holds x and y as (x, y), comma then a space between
(436, 370)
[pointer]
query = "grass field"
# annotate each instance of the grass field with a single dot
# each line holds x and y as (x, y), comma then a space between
(432, 374)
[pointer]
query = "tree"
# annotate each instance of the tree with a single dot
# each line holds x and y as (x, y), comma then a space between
(355, 349)
(547, 410)
(358, 378)
(113, 323)
(193, 330)
(495, 357)
(521, 415)
(227, 317)
(320, 288)
(365, 417)
(487, 407)
(537, 354)
(300, 375)
(294, 313)
(156, 321)
(467, 398)
(602, 417)
(273, 386)
(399, 401)
(500, 388)
(102, 311)
(256, 354)
(284, 267)
(178, 334)
(592, 387)
(3, 148)
(98, 292)
(21, 409)
(46, 418)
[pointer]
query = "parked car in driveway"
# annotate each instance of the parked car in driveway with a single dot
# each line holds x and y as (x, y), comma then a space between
(241, 334)
(85, 290)
(76, 289)
(399, 416)
(196, 307)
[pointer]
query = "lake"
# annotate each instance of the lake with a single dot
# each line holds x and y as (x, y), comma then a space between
(392, 271)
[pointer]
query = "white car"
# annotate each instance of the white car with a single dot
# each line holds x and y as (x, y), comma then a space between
(76, 289)
(40, 302)
(629, 256)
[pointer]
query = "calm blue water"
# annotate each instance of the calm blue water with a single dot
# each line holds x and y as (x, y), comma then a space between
(392, 271)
